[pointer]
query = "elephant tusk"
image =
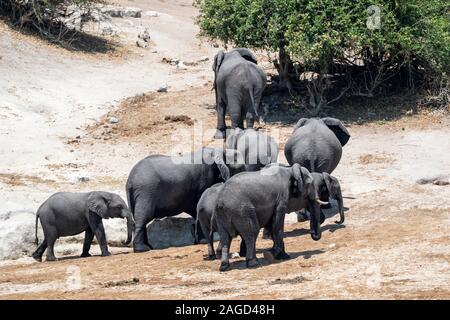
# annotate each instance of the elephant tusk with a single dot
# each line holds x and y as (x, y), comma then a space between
(321, 202)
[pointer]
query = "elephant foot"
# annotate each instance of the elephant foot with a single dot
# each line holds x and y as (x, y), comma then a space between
(37, 257)
(224, 266)
(141, 248)
(84, 255)
(253, 263)
(220, 134)
(210, 257)
(282, 256)
(106, 254)
(51, 259)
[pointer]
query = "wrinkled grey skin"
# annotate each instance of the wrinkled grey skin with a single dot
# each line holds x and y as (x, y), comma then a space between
(68, 214)
(238, 83)
(252, 200)
(328, 187)
(162, 186)
(257, 148)
(316, 144)
(207, 221)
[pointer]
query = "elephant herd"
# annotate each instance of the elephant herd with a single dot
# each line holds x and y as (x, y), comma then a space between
(234, 190)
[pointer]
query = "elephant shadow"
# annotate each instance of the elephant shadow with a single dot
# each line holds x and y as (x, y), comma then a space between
(68, 258)
(307, 254)
(331, 227)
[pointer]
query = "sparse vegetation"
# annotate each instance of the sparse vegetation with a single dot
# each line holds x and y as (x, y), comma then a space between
(56, 20)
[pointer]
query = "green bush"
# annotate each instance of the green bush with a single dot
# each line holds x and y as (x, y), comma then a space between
(340, 42)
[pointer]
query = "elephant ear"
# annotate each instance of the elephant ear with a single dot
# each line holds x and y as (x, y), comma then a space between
(308, 184)
(333, 186)
(218, 59)
(97, 204)
(297, 180)
(221, 165)
(247, 55)
(338, 128)
(300, 123)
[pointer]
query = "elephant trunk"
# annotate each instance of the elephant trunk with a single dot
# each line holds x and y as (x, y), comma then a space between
(316, 233)
(130, 227)
(341, 209)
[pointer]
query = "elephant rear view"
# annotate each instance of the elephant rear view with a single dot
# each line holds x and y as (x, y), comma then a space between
(239, 83)
(316, 144)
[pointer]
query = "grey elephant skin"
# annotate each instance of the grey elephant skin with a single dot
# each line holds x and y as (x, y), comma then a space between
(252, 200)
(68, 214)
(207, 221)
(239, 84)
(256, 147)
(316, 144)
(328, 187)
(160, 186)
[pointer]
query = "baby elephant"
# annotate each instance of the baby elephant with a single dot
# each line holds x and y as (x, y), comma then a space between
(206, 219)
(68, 214)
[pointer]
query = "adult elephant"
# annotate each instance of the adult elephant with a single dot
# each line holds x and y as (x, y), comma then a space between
(256, 147)
(238, 83)
(316, 144)
(160, 186)
(252, 200)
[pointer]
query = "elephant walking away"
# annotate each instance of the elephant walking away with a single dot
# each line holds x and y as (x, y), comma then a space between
(238, 83)
(207, 221)
(68, 214)
(316, 144)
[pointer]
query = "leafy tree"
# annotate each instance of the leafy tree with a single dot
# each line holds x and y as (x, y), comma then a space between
(353, 45)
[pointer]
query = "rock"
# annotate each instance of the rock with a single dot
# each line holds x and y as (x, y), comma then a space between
(174, 61)
(163, 88)
(110, 31)
(151, 14)
(196, 62)
(121, 12)
(144, 35)
(17, 234)
(141, 44)
(181, 66)
(174, 231)
(113, 120)
(441, 182)
(83, 179)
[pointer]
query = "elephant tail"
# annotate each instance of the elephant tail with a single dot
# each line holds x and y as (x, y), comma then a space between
(36, 240)
(252, 98)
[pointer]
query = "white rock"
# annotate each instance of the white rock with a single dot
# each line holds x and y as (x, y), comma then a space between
(113, 120)
(163, 88)
(144, 35)
(181, 66)
(171, 232)
(151, 14)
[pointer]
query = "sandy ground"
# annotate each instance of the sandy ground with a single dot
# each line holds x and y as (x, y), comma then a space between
(395, 243)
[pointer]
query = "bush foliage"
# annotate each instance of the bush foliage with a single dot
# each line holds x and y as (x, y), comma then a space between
(341, 47)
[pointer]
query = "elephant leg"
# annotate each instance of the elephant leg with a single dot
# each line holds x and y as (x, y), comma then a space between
(242, 248)
(219, 249)
(88, 237)
(221, 127)
(235, 109)
(50, 235)
(277, 252)
(50, 248)
(250, 119)
(37, 255)
(211, 253)
(143, 214)
(225, 240)
(249, 230)
(99, 232)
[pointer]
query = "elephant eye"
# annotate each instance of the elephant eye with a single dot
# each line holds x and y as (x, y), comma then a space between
(120, 207)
